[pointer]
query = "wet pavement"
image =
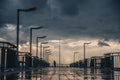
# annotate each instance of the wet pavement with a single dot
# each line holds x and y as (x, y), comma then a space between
(64, 74)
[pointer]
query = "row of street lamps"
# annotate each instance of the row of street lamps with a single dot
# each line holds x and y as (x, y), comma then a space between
(37, 45)
(84, 54)
(32, 9)
(18, 23)
(44, 51)
(41, 48)
(31, 36)
(17, 40)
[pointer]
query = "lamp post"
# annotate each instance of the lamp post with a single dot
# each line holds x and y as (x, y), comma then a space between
(59, 53)
(31, 37)
(48, 56)
(74, 57)
(41, 49)
(37, 43)
(44, 50)
(18, 22)
(48, 53)
(85, 53)
(18, 14)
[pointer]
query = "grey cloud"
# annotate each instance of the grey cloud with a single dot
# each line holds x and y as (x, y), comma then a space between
(106, 39)
(22, 41)
(8, 35)
(119, 41)
(90, 18)
(116, 3)
(102, 44)
(70, 7)
(8, 8)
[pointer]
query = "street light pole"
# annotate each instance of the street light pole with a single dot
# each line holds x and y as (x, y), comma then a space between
(41, 49)
(59, 53)
(17, 31)
(37, 44)
(31, 37)
(48, 52)
(74, 57)
(44, 50)
(85, 53)
(18, 22)
(48, 57)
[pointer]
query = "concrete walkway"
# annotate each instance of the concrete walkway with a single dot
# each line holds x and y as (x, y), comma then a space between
(62, 74)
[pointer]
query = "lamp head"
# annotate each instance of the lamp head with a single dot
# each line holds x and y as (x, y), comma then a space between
(88, 43)
(32, 9)
(49, 53)
(44, 42)
(48, 50)
(42, 37)
(28, 10)
(37, 27)
(76, 52)
(46, 46)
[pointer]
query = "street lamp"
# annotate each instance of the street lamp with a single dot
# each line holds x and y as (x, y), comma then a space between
(37, 43)
(27, 10)
(18, 14)
(74, 57)
(59, 53)
(44, 50)
(18, 17)
(48, 52)
(41, 48)
(31, 37)
(48, 56)
(84, 53)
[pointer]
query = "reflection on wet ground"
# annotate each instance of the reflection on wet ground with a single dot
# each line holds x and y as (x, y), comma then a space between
(64, 74)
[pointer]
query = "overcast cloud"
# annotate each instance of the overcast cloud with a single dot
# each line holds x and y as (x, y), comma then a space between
(63, 18)
(72, 21)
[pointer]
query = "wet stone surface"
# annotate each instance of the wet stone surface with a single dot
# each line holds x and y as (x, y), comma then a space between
(64, 74)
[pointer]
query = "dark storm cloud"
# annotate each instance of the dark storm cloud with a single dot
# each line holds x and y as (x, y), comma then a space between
(70, 7)
(116, 3)
(65, 18)
(8, 8)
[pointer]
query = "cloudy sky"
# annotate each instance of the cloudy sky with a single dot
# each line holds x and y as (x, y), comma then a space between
(72, 21)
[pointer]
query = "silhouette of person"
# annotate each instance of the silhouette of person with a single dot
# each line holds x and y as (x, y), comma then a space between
(54, 63)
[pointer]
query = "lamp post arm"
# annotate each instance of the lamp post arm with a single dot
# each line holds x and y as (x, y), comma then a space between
(28, 10)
